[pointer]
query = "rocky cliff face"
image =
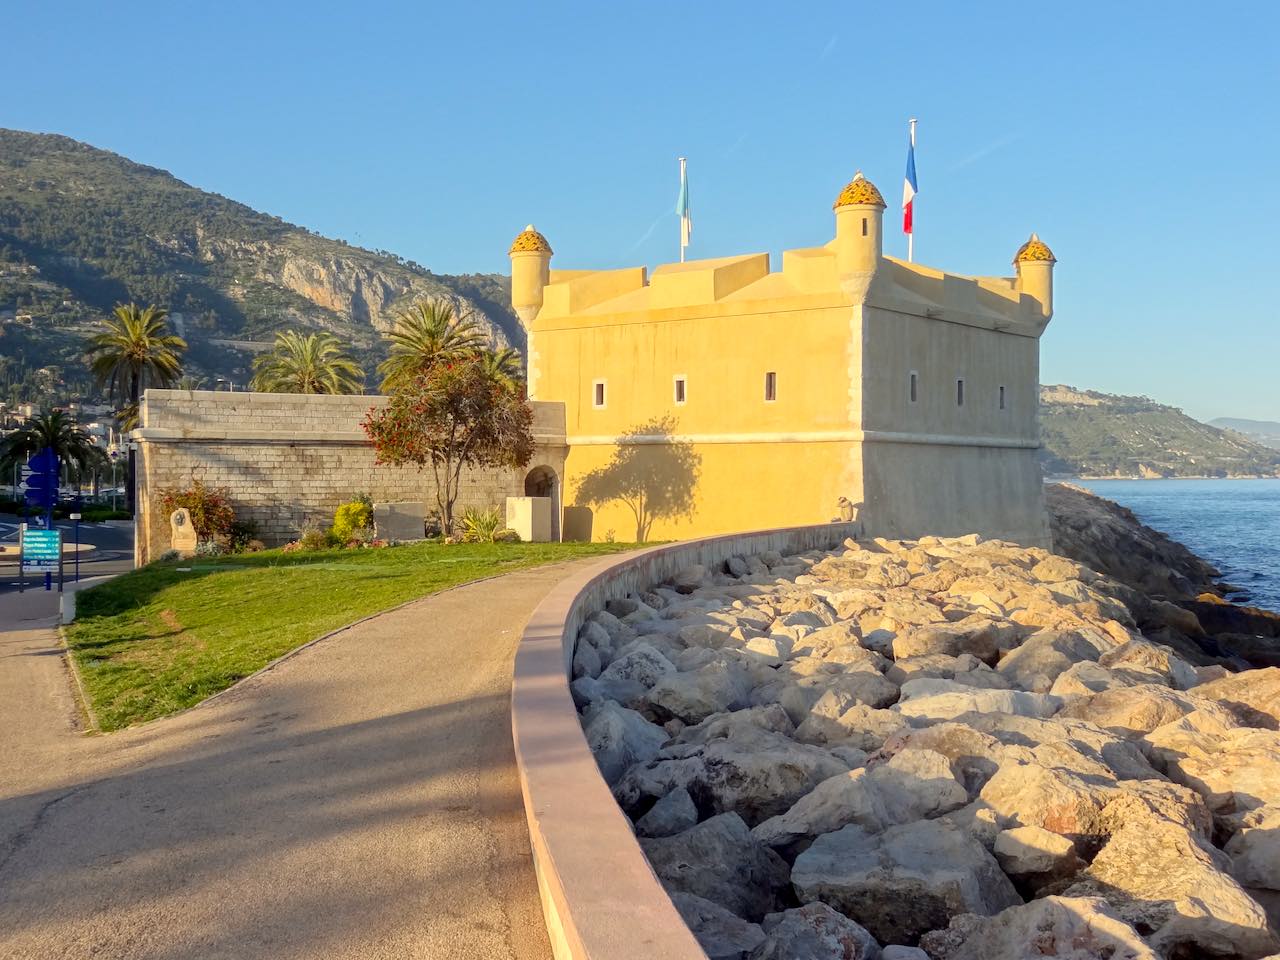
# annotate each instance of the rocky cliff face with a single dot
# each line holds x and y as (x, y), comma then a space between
(82, 229)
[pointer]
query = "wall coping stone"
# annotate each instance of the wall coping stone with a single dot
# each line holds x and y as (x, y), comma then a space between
(600, 898)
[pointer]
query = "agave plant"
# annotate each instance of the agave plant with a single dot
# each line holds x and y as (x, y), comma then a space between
(479, 526)
(314, 363)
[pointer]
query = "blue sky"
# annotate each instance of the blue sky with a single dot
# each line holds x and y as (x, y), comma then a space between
(1139, 139)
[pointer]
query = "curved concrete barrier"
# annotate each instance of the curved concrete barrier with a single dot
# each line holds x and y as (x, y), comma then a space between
(599, 896)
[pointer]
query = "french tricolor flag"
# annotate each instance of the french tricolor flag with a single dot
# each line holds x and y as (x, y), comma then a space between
(909, 189)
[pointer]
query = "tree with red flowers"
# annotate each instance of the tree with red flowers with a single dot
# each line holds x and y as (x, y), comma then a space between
(453, 416)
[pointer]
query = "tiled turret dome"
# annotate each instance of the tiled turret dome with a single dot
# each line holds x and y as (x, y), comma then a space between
(530, 240)
(858, 190)
(1034, 249)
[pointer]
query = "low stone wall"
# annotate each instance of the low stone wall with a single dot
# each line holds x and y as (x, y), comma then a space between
(288, 459)
(577, 831)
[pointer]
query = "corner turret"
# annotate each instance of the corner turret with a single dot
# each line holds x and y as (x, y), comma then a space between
(1034, 262)
(859, 227)
(530, 272)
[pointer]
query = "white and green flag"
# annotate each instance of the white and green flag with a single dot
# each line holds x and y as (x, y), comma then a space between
(682, 208)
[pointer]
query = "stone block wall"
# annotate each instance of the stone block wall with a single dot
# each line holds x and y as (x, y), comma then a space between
(291, 459)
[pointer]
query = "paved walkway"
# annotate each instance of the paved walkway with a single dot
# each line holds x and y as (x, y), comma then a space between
(358, 801)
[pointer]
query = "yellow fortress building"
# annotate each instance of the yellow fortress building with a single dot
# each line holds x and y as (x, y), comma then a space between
(720, 395)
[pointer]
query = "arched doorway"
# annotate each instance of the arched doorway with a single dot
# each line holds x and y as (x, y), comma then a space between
(542, 481)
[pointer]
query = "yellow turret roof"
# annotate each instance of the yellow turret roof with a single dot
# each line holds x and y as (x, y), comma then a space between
(1034, 249)
(858, 190)
(530, 240)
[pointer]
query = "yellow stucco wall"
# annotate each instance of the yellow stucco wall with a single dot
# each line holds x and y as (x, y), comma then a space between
(733, 458)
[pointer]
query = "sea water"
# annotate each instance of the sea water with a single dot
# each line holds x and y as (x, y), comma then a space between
(1234, 524)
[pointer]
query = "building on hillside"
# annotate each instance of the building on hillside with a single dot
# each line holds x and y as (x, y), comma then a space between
(719, 395)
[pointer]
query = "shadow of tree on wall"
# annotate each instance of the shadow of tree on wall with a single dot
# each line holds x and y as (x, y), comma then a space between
(651, 471)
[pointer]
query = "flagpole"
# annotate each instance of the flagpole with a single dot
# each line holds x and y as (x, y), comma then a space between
(911, 237)
(683, 175)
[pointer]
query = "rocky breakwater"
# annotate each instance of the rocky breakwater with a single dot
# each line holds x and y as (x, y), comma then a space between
(1178, 598)
(943, 748)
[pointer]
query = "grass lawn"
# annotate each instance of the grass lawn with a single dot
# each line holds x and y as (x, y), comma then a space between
(163, 638)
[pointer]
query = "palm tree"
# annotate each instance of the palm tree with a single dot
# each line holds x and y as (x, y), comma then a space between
(53, 430)
(136, 351)
(427, 334)
(314, 363)
(503, 367)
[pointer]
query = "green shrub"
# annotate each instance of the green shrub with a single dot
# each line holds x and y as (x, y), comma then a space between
(350, 517)
(168, 556)
(314, 537)
(210, 507)
(506, 535)
(210, 548)
(479, 526)
(241, 535)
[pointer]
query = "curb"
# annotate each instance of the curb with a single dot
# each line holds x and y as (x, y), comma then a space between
(577, 832)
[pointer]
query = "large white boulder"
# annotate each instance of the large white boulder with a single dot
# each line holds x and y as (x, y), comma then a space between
(720, 861)
(1255, 849)
(723, 935)
(620, 738)
(903, 882)
(948, 706)
(1054, 928)
(1163, 879)
(913, 785)
(815, 932)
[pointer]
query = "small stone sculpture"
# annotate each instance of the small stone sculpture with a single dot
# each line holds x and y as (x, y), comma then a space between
(182, 535)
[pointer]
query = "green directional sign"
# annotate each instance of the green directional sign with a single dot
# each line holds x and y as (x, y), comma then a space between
(41, 549)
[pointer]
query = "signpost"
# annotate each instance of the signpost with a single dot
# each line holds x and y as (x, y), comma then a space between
(42, 492)
(40, 550)
(42, 485)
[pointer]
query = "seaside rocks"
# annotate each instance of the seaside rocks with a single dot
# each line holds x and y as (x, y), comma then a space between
(720, 861)
(904, 881)
(907, 738)
(1055, 928)
(815, 932)
(621, 738)
(722, 934)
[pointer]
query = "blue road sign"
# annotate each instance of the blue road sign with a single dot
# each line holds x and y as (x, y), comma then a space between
(41, 549)
(42, 485)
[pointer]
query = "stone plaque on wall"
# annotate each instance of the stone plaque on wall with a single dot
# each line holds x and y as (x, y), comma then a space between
(399, 521)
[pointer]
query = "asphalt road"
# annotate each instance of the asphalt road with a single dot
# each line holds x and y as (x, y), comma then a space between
(114, 553)
(358, 801)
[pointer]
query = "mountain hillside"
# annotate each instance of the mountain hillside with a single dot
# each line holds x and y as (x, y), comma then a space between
(1092, 434)
(82, 229)
(1265, 432)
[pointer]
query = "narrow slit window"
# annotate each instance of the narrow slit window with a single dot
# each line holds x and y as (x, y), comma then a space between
(1001, 396)
(914, 390)
(864, 226)
(597, 394)
(959, 393)
(770, 386)
(681, 390)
